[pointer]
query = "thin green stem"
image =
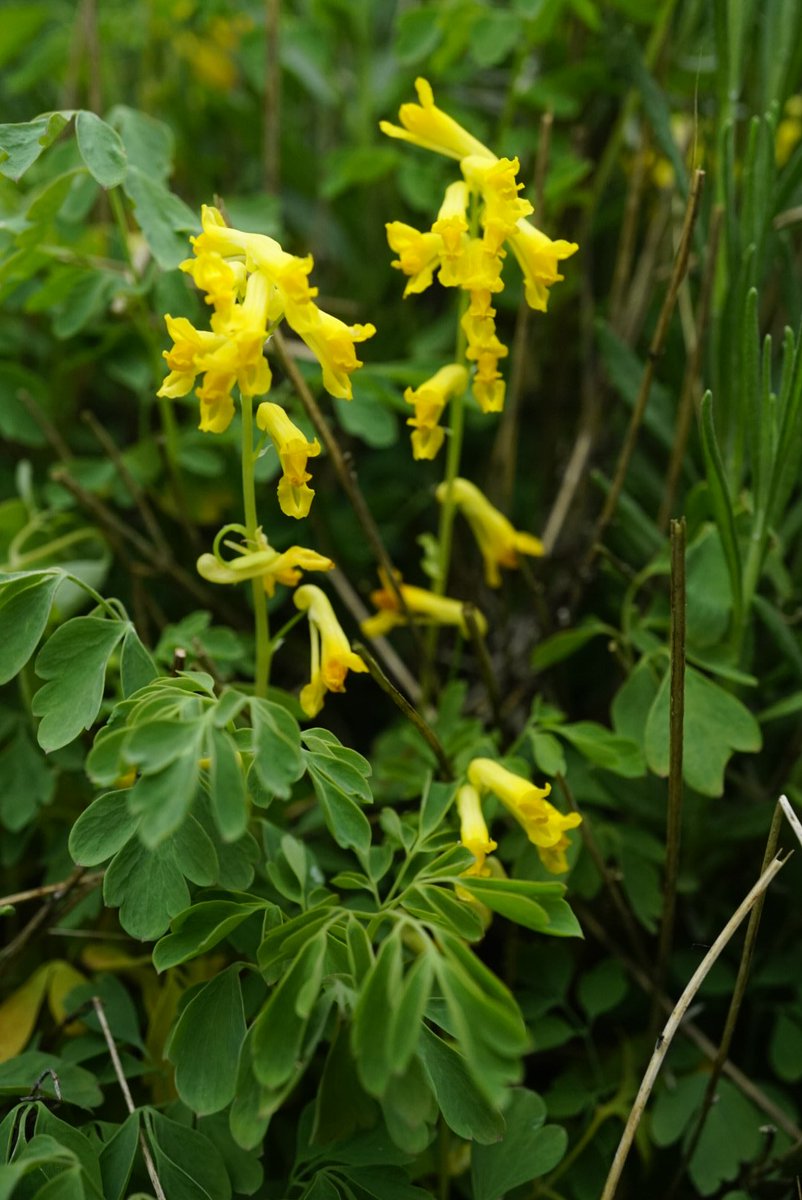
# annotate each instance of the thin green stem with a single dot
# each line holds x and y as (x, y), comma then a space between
(263, 646)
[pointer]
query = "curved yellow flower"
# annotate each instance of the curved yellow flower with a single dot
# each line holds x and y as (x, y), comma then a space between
(419, 254)
(499, 542)
(264, 563)
(426, 125)
(473, 831)
(537, 257)
(429, 400)
(423, 606)
(452, 222)
(294, 496)
(332, 656)
(189, 344)
(332, 343)
(544, 825)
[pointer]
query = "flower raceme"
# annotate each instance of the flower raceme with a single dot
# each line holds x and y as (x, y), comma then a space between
(424, 607)
(251, 284)
(263, 563)
(544, 825)
(429, 400)
(499, 542)
(332, 656)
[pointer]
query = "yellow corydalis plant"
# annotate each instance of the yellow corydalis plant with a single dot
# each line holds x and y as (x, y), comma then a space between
(252, 284)
(499, 542)
(424, 607)
(543, 824)
(461, 259)
(429, 401)
(332, 656)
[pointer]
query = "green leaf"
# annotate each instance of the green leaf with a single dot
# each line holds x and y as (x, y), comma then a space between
(464, 1109)
(149, 144)
(226, 785)
(605, 749)
(785, 1047)
(137, 668)
(25, 603)
(418, 32)
(214, 1017)
(78, 1086)
(350, 166)
(548, 753)
(28, 782)
(277, 757)
(279, 1029)
(630, 707)
(528, 1150)
(189, 1166)
(602, 988)
(731, 1136)
(346, 821)
(368, 415)
(716, 723)
(164, 219)
(370, 1038)
(74, 660)
(721, 500)
(102, 829)
(21, 145)
(436, 800)
(117, 1158)
(562, 645)
(494, 35)
(101, 149)
(162, 800)
(197, 929)
(147, 886)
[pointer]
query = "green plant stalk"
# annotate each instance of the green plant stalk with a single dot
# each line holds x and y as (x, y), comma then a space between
(262, 627)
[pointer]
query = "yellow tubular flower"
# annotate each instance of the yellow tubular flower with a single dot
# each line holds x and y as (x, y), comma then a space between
(544, 825)
(332, 343)
(422, 605)
(537, 257)
(189, 344)
(419, 254)
(426, 125)
(499, 542)
(452, 224)
(294, 496)
(332, 656)
(430, 400)
(473, 832)
(222, 281)
(216, 403)
(265, 563)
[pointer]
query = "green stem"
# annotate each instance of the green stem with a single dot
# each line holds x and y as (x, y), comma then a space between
(263, 647)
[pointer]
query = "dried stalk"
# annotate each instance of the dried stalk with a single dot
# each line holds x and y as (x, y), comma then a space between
(412, 714)
(150, 1166)
(674, 1021)
(47, 889)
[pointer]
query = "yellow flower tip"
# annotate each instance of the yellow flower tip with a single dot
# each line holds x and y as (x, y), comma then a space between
(489, 395)
(425, 125)
(537, 257)
(332, 343)
(474, 833)
(426, 443)
(499, 542)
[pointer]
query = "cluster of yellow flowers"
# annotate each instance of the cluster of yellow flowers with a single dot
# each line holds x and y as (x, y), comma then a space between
(488, 195)
(251, 285)
(544, 825)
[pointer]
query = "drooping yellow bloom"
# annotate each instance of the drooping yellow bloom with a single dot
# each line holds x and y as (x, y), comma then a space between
(263, 563)
(423, 606)
(497, 183)
(429, 401)
(426, 125)
(452, 221)
(544, 825)
(332, 656)
(332, 343)
(537, 257)
(418, 254)
(473, 832)
(499, 542)
(294, 495)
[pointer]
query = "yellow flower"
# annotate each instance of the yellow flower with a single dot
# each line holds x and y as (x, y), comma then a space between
(498, 185)
(222, 281)
(265, 563)
(423, 606)
(294, 496)
(189, 344)
(499, 542)
(789, 130)
(426, 125)
(475, 268)
(544, 825)
(452, 224)
(473, 832)
(216, 402)
(429, 400)
(332, 656)
(332, 343)
(418, 254)
(537, 257)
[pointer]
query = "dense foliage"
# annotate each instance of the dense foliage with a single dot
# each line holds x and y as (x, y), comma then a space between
(421, 939)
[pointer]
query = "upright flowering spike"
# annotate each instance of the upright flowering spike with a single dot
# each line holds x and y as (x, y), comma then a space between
(538, 256)
(499, 542)
(544, 825)
(332, 656)
(426, 125)
(264, 563)
(429, 400)
(423, 606)
(294, 496)
(473, 832)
